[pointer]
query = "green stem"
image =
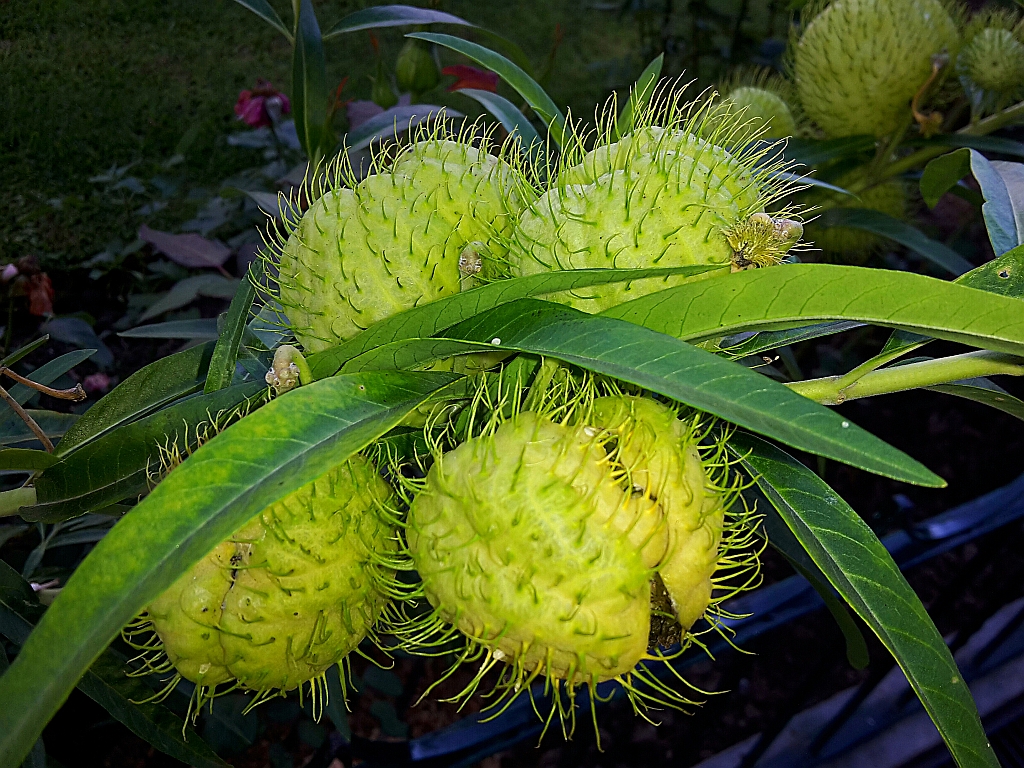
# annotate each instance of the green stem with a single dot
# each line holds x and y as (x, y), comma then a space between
(535, 395)
(833, 391)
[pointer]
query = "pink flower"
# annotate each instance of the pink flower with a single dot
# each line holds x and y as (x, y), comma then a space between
(10, 272)
(96, 382)
(471, 77)
(263, 105)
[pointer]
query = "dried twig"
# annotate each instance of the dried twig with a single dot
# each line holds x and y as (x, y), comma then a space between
(76, 393)
(23, 414)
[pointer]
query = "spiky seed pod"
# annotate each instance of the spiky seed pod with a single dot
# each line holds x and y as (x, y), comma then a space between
(660, 197)
(990, 65)
(846, 244)
(415, 230)
(769, 115)
(859, 63)
(572, 542)
(289, 595)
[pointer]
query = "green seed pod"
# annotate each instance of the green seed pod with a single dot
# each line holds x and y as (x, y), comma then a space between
(859, 63)
(289, 595)
(575, 548)
(994, 60)
(382, 93)
(662, 197)
(768, 114)
(412, 232)
(846, 244)
(416, 69)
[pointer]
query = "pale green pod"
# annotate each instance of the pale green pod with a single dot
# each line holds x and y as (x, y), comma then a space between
(859, 63)
(766, 114)
(994, 61)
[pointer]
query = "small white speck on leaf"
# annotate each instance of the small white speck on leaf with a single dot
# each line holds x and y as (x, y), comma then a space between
(846, 424)
(495, 341)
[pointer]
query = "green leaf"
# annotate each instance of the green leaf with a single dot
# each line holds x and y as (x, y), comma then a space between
(259, 460)
(886, 226)
(22, 352)
(158, 384)
(689, 375)
(982, 391)
(265, 11)
(391, 122)
(186, 291)
(430, 318)
(511, 73)
(106, 682)
(25, 459)
(392, 16)
(639, 96)
(222, 364)
(175, 329)
(996, 144)
(862, 571)
(13, 430)
(943, 173)
(45, 374)
(813, 153)
(509, 116)
(309, 83)
(793, 295)
(116, 465)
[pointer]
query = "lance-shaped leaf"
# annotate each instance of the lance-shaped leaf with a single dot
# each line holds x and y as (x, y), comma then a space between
(511, 73)
(392, 16)
(159, 383)
(862, 571)
(259, 460)
(309, 82)
(106, 681)
(639, 96)
(682, 372)
(765, 340)
(25, 459)
(508, 114)
(116, 465)
(222, 363)
(793, 295)
(266, 11)
(428, 319)
(45, 374)
(980, 390)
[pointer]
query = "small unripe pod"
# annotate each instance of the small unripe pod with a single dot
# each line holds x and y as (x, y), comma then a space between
(994, 61)
(416, 69)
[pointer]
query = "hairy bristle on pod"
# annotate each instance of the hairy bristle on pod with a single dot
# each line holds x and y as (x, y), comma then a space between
(571, 536)
(421, 225)
(664, 195)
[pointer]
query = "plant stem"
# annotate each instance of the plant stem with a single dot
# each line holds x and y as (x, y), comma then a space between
(23, 414)
(832, 391)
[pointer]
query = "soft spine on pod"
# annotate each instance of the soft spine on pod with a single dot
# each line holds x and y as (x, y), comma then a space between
(859, 63)
(573, 543)
(292, 593)
(414, 230)
(664, 196)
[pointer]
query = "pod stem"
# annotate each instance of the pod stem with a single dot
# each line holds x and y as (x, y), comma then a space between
(832, 390)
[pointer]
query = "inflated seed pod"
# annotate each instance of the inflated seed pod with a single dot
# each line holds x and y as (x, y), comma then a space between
(571, 549)
(413, 231)
(859, 63)
(990, 64)
(661, 197)
(289, 595)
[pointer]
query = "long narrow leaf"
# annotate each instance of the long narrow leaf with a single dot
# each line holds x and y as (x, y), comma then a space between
(23, 351)
(275, 451)
(106, 682)
(860, 568)
(222, 364)
(511, 73)
(980, 391)
(508, 114)
(765, 340)
(431, 318)
(879, 223)
(202, 330)
(794, 295)
(391, 16)
(309, 82)
(688, 374)
(159, 383)
(265, 11)
(47, 373)
(25, 459)
(639, 96)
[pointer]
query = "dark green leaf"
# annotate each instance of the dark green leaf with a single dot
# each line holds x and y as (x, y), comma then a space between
(879, 223)
(509, 116)
(942, 174)
(995, 144)
(765, 340)
(45, 374)
(115, 466)
(985, 392)
(392, 122)
(21, 352)
(998, 209)
(106, 682)
(222, 364)
(13, 430)
(191, 288)
(201, 330)
(862, 571)
(146, 390)
(793, 295)
(511, 73)
(309, 82)
(259, 460)
(430, 318)
(23, 458)
(265, 11)
(391, 16)
(689, 375)
(813, 153)
(639, 96)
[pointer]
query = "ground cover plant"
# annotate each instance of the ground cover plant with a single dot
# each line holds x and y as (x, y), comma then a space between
(494, 393)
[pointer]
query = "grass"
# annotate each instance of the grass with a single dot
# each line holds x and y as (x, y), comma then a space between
(86, 85)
